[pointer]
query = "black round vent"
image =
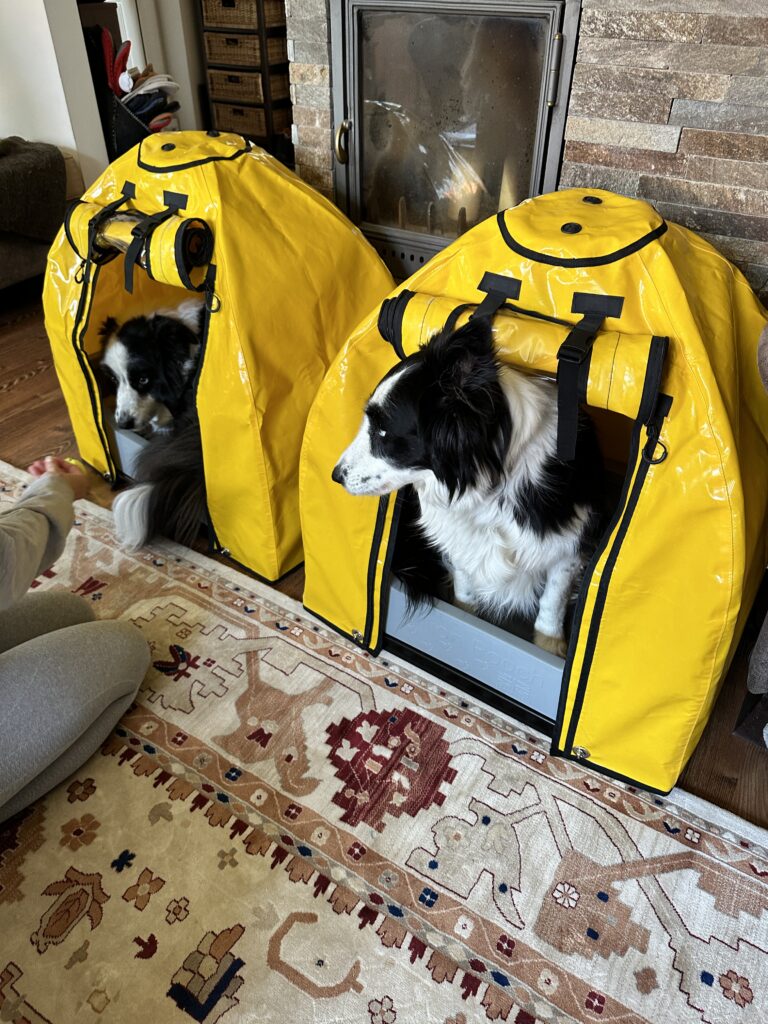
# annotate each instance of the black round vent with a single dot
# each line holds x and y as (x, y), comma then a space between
(571, 228)
(595, 200)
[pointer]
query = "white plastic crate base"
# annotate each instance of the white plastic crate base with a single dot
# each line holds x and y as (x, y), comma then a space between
(505, 663)
(124, 444)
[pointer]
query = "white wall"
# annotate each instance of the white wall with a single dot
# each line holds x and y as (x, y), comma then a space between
(67, 35)
(46, 93)
(32, 102)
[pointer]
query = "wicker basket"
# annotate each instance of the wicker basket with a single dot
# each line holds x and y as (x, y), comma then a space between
(242, 50)
(250, 120)
(245, 120)
(242, 13)
(246, 86)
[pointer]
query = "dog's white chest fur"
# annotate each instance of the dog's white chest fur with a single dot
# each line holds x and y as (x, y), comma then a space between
(496, 564)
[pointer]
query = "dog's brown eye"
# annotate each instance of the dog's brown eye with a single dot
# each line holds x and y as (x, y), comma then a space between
(143, 381)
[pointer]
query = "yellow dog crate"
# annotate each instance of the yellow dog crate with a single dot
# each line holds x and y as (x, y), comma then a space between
(653, 325)
(285, 277)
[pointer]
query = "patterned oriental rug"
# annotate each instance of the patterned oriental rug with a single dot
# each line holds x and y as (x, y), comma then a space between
(283, 829)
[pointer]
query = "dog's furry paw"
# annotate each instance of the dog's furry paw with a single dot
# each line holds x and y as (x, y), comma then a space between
(553, 644)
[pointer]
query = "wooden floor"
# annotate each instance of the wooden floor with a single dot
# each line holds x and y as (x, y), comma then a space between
(725, 769)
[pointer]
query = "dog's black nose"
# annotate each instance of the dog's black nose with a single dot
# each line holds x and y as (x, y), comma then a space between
(125, 422)
(338, 474)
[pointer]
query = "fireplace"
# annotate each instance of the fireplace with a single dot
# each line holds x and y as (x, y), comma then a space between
(445, 112)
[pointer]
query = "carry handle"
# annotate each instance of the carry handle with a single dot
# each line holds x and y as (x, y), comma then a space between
(572, 376)
(498, 288)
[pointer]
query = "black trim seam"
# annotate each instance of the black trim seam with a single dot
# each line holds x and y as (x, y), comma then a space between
(192, 163)
(390, 322)
(178, 256)
(588, 261)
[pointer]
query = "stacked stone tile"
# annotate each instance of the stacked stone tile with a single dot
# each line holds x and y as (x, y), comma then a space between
(670, 103)
(309, 54)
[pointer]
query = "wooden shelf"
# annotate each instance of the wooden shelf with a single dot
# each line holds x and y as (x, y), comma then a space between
(249, 55)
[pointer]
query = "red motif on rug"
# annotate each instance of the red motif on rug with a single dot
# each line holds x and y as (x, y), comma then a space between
(391, 762)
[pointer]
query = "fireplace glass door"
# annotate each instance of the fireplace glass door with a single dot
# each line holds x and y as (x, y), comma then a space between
(443, 116)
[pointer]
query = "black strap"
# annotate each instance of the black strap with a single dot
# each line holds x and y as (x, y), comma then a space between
(450, 324)
(141, 233)
(589, 302)
(145, 227)
(572, 365)
(498, 288)
(95, 222)
(390, 321)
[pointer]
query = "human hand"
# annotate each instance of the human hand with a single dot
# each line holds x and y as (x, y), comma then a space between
(73, 474)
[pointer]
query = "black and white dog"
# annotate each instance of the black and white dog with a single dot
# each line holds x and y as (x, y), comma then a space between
(151, 361)
(477, 442)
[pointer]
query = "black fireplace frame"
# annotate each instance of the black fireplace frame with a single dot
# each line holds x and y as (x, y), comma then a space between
(402, 250)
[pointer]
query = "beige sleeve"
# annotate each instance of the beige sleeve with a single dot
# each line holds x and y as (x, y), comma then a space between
(32, 535)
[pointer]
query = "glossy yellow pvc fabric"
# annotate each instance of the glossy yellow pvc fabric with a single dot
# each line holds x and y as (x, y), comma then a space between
(664, 601)
(289, 276)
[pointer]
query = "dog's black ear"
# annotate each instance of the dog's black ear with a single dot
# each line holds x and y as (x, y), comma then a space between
(463, 359)
(173, 344)
(469, 425)
(107, 328)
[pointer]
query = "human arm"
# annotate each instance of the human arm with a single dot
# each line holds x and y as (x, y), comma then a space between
(33, 532)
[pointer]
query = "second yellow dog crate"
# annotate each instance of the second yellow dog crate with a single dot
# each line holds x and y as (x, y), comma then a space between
(675, 329)
(285, 276)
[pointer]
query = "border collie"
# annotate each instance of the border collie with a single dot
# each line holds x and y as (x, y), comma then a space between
(151, 360)
(477, 442)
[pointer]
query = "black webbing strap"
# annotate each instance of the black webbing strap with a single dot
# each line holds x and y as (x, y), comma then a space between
(140, 234)
(104, 214)
(498, 288)
(453, 317)
(572, 358)
(176, 201)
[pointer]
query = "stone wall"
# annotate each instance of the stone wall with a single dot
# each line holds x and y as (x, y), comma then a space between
(309, 54)
(670, 103)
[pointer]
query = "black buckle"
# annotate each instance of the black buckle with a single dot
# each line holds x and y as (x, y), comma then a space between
(575, 351)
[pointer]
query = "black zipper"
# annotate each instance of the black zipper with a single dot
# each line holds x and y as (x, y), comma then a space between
(83, 315)
(385, 589)
(602, 593)
(659, 404)
(378, 533)
(208, 310)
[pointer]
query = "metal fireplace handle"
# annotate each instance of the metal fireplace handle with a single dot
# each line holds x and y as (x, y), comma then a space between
(340, 142)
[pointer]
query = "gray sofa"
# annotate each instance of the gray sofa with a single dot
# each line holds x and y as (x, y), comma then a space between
(36, 182)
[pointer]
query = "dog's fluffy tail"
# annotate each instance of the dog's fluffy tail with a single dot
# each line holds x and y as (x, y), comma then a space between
(169, 497)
